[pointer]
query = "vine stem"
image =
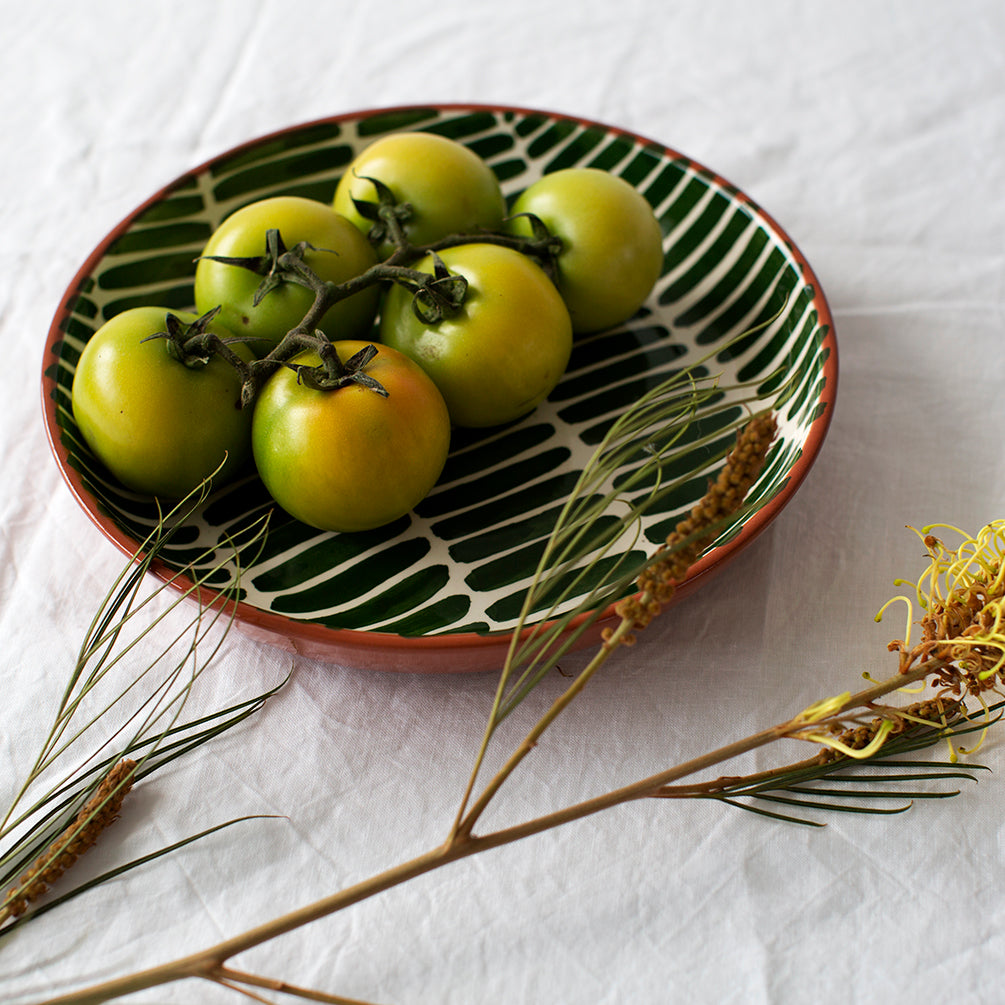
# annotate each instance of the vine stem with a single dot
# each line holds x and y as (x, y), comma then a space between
(209, 963)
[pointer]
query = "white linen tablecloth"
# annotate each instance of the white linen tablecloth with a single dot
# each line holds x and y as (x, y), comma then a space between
(874, 132)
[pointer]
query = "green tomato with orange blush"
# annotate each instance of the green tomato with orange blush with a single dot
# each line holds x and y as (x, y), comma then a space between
(352, 457)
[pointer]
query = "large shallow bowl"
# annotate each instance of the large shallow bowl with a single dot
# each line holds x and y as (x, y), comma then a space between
(439, 590)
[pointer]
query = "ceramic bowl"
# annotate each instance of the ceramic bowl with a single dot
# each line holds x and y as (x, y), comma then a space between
(439, 590)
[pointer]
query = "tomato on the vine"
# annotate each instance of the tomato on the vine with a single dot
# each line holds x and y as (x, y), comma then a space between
(448, 187)
(612, 245)
(502, 353)
(337, 252)
(160, 426)
(350, 458)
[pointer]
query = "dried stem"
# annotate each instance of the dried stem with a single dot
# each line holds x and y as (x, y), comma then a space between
(232, 978)
(833, 721)
(964, 651)
(657, 583)
(208, 963)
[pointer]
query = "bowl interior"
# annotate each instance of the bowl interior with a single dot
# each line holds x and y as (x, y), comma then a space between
(458, 567)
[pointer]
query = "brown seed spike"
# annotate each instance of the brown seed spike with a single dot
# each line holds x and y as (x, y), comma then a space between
(694, 533)
(99, 812)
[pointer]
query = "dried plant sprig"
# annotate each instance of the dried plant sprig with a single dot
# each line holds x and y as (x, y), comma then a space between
(685, 544)
(105, 646)
(840, 717)
(64, 802)
(562, 568)
(854, 729)
(208, 963)
(154, 751)
(628, 469)
(625, 470)
(97, 814)
(917, 727)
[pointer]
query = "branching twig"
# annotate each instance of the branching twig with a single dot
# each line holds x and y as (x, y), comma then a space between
(208, 962)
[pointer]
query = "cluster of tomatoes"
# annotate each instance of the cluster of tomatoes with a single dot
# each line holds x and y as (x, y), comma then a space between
(337, 345)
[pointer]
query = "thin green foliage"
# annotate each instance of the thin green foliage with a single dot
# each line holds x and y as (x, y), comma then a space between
(121, 870)
(118, 704)
(794, 786)
(537, 654)
(638, 447)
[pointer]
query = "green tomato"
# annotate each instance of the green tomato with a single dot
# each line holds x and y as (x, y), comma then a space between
(338, 253)
(612, 245)
(159, 426)
(351, 459)
(502, 353)
(449, 188)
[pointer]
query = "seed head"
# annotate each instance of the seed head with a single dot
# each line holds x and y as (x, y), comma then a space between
(101, 810)
(658, 582)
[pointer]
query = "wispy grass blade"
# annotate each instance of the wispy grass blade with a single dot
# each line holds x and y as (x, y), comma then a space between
(817, 805)
(811, 790)
(914, 776)
(570, 559)
(64, 803)
(761, 811)
(124, 603)
(121, 870)
(879, 762)
(844, 779)
(152, 732)
(118, 599)
(634, 453)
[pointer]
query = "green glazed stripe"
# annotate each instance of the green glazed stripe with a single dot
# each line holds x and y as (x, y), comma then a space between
(462, 561)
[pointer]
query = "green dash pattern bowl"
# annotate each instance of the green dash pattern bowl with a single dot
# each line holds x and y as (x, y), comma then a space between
(439, 590)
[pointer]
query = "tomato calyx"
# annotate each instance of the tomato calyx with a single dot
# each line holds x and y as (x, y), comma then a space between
(277, 265)
(332, 374)
(437, 295)
(387, 216)
(542, 245)
(193, 345)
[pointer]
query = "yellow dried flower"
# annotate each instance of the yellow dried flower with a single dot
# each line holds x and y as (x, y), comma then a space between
(963, 596)
(931, 712)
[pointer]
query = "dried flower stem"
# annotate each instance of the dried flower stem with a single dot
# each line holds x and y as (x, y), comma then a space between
(209, 963)
(692, 535)
(657, 583)
(37, 841)
(840, 722)
(98, 813)
(856, 725)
